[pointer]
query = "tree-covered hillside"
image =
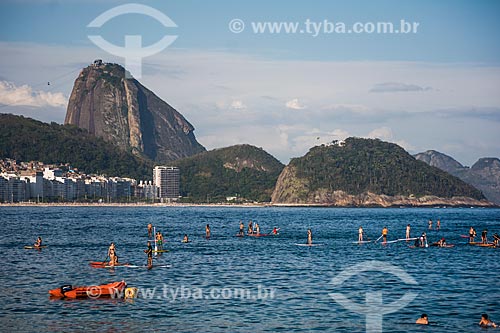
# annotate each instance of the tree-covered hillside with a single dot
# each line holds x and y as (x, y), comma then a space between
(25, 139)
(244, 171)
(366, 165)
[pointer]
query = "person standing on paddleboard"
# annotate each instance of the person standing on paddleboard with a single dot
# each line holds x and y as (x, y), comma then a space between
(360, 234)
(150, 230)
(112, 254)
(385, 231)
(472, 234)
(408, 228)
(309, 237)
(149, 252)
(484, 236)
(250, 227)
(242, 228)
(257, 229)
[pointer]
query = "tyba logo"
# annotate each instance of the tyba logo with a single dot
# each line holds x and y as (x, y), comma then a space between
(132, 51)
(374, 309)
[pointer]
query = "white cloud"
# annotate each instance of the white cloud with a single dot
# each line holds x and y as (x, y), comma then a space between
(24, 95)
(294, 104)
(238, 105)
(382, 133)
(397, 87)
(203, 85)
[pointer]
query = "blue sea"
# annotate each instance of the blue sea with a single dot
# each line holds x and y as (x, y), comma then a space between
(248, 284)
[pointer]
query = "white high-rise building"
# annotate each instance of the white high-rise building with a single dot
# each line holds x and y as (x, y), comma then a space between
(166, 181)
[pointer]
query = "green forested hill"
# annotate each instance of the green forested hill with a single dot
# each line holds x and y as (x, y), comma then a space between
(242, 170)
(367, 165)
(25, 139)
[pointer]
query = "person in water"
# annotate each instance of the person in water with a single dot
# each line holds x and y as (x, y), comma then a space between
(423, 240)
(438, 224)
(185, 239)
(112, 254)
(408, 228)
(309, 237)
(484, 236)
(150, 230)
(472, 234)
(360, 234)
(149, 252)
(385, 231)
(496, 239)
(486, 322)
(423, 320)
(275, 230)
(430, 224)
(250, 227)
(257, 228)
(207, 231)
(242, 229)
(38, 242)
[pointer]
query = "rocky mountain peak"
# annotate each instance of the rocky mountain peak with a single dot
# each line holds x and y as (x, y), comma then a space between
(127, 114)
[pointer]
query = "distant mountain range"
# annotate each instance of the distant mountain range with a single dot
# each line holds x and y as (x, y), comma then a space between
(483, 175)
(125, 129)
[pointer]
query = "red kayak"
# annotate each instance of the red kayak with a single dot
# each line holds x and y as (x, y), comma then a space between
(105, 290)
(105, 264)
(258, 235)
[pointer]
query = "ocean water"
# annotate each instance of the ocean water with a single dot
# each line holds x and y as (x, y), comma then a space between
(286, 286)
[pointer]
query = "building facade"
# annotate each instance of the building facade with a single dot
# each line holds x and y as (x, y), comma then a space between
(166, 181)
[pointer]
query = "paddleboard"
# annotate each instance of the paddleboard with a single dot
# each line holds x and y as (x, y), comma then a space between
(362, 242)
(302, 244)
(182, 241)
(140, 266)
(258, 235)
(35, 247)
(160, 251)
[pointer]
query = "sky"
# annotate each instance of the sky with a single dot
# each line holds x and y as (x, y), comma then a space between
(436, 87)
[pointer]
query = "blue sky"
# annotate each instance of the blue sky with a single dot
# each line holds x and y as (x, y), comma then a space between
(436, 89)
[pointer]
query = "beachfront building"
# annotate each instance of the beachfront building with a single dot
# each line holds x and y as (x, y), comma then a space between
(166, 180)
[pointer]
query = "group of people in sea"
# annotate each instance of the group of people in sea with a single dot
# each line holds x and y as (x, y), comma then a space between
(253, 229)
(485, 322)
(421, 241)
(484, 237)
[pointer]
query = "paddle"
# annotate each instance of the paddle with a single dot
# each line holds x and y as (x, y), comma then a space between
(379, 238)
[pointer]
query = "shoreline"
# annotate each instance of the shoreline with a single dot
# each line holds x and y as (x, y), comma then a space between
(225, 205)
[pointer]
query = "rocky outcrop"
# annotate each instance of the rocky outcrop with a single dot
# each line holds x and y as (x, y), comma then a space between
(439, 160)
(483, 175)
(127, 114)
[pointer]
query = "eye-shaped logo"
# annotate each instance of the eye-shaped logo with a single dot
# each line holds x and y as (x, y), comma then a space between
(133, 52)
(373, 309)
